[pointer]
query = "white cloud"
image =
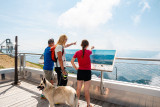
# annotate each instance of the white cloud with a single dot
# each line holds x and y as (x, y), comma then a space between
(88, 14)
(38, 25)
(107, 40)
(144, 6)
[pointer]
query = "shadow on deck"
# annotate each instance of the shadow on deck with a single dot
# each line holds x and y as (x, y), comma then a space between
(27, 95)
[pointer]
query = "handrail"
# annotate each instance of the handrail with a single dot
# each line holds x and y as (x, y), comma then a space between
(31, 53)
(6, 53)
(119, 58)
(138, 59)
(20, 53)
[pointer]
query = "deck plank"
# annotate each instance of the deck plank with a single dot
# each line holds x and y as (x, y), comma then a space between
(149, 101)
(156, 102)
(142, 101)
(27, 95)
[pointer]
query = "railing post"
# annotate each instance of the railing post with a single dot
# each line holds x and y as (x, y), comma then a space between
(20, 63)
(24, 64)
(16, 62)
(1, 49)
(116, 72)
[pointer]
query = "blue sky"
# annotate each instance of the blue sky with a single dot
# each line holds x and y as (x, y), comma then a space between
(107, 24)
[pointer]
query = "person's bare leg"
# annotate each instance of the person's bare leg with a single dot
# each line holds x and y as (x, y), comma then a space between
(51, 81)
(79, 86)
(86, 91)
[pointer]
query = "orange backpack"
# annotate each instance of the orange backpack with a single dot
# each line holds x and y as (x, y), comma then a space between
(53, 55)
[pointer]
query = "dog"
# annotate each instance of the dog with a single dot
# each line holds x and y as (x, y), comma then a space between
(58, 95)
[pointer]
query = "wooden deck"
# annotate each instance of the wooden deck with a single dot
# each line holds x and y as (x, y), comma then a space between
(27, 95)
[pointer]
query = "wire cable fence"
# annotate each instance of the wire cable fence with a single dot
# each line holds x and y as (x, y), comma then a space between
(133, 71)
(33, 61)
(136, 73)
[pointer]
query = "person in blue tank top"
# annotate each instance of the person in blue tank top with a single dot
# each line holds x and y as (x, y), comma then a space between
(48, 63)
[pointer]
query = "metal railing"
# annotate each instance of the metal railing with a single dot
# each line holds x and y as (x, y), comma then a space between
(134, 70)
(140, 70)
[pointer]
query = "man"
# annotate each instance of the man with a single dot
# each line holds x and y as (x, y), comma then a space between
(48, 63)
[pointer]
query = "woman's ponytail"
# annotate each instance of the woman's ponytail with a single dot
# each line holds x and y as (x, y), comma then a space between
(84, 44)
(83, 51)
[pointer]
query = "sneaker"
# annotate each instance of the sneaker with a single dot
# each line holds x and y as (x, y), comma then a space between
(42, 96)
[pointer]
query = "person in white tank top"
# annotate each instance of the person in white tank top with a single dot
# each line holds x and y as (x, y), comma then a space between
(60, 65)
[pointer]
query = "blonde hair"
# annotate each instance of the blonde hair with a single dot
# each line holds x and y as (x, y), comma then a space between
(61, 40)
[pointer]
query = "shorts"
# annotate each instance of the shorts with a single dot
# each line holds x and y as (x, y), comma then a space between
(84, 75)
(48, 74)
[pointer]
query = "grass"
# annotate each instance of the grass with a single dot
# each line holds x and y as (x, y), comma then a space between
(41, 66)
(1, 67)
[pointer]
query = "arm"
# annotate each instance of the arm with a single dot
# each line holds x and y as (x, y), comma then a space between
(91, 48)
(72, 62)
(61, 61)
(70, 44)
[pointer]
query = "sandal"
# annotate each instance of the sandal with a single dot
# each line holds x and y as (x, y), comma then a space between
(42, 96)
(89, 105)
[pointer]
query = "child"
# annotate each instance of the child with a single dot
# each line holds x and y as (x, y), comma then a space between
(84, 70)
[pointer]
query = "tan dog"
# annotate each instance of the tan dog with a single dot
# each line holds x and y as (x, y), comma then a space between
(60, 95)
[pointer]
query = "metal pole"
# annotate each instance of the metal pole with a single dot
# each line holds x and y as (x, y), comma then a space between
(116, 72)
(101, 84)
(101, 76)
(20, 64)
(16, 62)
(24, 64)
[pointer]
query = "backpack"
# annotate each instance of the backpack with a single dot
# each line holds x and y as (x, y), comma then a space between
(53, 55)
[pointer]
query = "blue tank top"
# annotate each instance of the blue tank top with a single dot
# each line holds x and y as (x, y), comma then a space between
(48, 62)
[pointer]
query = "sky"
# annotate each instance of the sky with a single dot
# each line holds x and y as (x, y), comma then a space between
(106, 24)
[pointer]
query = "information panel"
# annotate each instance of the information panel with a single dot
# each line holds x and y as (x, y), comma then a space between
(102, 60)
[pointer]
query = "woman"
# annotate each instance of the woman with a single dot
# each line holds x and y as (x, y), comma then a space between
(60, 65)
(84, 70)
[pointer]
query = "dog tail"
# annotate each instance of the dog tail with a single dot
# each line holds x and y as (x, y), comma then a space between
(76, 100)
